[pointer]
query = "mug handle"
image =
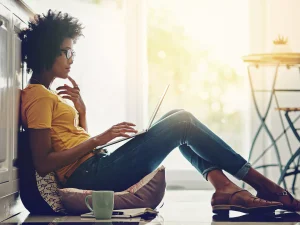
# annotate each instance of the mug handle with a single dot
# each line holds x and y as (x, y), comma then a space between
(87, 203)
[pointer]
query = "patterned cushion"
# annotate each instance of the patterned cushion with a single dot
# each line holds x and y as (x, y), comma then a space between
(148, 192)
(48, 188)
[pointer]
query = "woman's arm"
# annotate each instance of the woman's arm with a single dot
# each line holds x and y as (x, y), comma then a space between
(83, 121)
(45, 160)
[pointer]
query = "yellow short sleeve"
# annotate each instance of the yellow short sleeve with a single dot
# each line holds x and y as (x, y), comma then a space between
(39, 113)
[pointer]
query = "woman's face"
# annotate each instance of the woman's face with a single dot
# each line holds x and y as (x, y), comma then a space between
(62, 65)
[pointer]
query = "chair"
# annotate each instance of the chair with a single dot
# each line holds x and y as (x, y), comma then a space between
(290, 170)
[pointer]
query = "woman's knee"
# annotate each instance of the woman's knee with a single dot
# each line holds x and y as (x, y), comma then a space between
(184, 115)
(173, 112)
(177, 117)
(170, 113)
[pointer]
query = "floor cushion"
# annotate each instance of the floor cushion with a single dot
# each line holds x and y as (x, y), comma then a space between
(147, 193)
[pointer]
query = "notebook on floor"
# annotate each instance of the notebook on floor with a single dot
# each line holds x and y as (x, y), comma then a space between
(127, 213)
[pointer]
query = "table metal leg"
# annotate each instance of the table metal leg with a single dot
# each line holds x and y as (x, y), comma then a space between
(293, 157)
(296, 173)
(282, 124)
(276, 139)
(263, 118)
(287, 166)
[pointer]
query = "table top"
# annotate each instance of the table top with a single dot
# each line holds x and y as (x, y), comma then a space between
(284, 58)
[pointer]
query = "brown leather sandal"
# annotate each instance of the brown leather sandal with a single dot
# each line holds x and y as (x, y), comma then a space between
(294, 206)
(222, 203)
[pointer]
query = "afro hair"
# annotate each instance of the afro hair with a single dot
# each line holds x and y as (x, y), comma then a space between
(42, 39)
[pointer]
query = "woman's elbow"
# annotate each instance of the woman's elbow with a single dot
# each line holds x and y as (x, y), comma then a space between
(42, 171)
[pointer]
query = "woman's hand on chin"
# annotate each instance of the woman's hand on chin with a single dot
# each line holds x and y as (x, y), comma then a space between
(73, 94)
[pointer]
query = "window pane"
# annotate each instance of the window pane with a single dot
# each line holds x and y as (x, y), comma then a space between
(196, 46)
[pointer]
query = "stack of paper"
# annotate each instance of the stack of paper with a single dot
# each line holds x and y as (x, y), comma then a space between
(127, 213)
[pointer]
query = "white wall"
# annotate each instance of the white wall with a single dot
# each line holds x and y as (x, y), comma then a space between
(13, 14)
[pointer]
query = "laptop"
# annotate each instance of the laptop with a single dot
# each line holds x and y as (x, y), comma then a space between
(144, 130)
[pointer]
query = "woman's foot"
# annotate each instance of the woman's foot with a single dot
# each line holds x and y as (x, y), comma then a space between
(278, 194)
(232, 197)
(242, 201)
(269, 190)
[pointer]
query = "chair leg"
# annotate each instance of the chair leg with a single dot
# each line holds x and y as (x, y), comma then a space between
(287, 166)
(294, 156)
(292, 125)
(295, 176)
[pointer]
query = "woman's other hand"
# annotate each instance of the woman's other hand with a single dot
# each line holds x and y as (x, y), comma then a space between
(119, 130)
(73, 94)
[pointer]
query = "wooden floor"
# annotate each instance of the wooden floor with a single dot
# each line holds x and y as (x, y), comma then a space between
(180, 207)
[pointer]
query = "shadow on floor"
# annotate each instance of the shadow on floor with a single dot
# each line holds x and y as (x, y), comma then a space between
(274, 217)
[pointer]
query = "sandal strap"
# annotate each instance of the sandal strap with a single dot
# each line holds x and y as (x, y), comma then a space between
(235, 193)
(294, 202)
(284, 193)
(254, 198)
(260, 199)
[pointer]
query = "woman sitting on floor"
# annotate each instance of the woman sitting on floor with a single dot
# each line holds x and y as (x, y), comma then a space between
(60, 142)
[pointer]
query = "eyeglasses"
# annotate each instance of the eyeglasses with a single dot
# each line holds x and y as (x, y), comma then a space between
(69, 53)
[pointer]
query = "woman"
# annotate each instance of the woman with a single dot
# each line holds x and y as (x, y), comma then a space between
(60, 141)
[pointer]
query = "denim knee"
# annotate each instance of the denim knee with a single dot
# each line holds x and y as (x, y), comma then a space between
(184, 116)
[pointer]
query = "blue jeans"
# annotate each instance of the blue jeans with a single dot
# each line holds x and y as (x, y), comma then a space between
(143, 154)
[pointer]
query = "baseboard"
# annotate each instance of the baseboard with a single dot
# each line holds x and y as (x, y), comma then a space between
(11, 205)
(191, 180)
(186, 180)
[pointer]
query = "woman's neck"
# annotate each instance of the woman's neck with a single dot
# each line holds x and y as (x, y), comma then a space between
(42, 79)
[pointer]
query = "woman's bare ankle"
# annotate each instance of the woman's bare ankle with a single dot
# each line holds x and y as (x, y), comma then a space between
(272, 188)
(220, 182)
(261, 183)
(228, 187)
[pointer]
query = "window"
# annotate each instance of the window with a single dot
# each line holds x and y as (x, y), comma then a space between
(196, 46)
